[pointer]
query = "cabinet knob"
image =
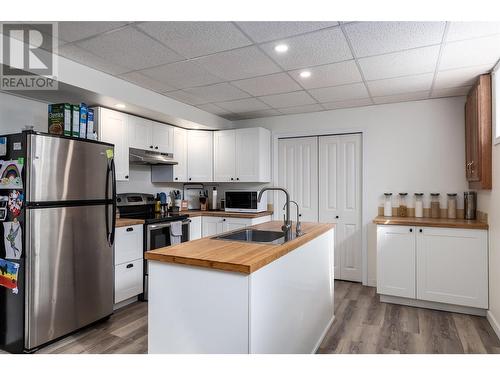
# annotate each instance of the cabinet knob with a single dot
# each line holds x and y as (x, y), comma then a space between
(237, 178)
(232, 179)
(130, 229)
(411, 230)
(126, 177)
(336, 217)
(150, 146)
(176, 178)
(223, 219)
(189, 178)
(420, 230)
(130, 265)
(156, 147)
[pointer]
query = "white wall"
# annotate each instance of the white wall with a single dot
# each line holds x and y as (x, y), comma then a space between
(410, 147)
(16, 113)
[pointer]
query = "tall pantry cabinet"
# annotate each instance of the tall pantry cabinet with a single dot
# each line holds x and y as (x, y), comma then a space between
(478, 134)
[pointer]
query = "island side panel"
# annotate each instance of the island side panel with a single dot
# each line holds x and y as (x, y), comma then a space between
(196, 310)
(291, 299)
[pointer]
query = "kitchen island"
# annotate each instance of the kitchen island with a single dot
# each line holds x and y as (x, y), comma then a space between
(219, 296)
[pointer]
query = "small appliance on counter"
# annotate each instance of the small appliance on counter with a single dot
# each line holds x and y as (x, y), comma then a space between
(470, 205)
(244, 201)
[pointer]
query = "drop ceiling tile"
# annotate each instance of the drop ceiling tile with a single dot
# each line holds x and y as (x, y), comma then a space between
(131, 48)
(459, 77)
(73, 31)
(375, 38)
(192, 39)
(146, 82)
(186, 97)
(265, 31)
(290, 99)
(268, 85)
(451, 91)
(84, 57)
(216, 110)
(469, 30)
(401, 85)
(301, 109)
(239, 64)
(481, 51)
(329, 75)
(347, 103)
(217, 93)
(421, 95)
(243, 105)
(415, 61)
(181, 75)
(338, 93)
(317, 48)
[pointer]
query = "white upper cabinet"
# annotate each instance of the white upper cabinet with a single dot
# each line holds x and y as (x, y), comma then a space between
(149, 135)
(200, 156)
(112, 128)
(225, 156)
(163, 137)
(180, 155)
(242, 155)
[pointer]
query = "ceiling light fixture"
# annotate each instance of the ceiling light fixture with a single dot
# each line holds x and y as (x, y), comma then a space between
(120, 105)
(305, 74)
(281, 48)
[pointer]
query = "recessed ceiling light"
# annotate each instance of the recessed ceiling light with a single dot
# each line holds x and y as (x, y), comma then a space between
(281, 48)
(305, 74)
(120, 105)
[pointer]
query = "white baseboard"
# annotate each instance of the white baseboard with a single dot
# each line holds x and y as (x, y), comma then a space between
(432, 305)
(493, 322)
(124, 303)
(372, 282)
(323, 335)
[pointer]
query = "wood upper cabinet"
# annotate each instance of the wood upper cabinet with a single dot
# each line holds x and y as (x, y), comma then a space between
(478, 134)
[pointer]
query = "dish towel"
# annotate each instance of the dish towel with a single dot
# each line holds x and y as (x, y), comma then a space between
(175, 232)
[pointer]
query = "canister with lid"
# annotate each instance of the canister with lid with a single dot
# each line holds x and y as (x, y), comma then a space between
(452, 205)
(435, 207)
(388, 204)
(403, 206)
(419, 204)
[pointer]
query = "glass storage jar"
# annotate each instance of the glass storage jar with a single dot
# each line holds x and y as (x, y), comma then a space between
(388, 204)
(435, 207)
(419, 204)
(452, 205)
(403, 207)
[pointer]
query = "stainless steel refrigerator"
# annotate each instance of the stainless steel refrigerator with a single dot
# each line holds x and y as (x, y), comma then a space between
(65, 279)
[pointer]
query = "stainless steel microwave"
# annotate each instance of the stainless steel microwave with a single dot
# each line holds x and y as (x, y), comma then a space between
(245, 201)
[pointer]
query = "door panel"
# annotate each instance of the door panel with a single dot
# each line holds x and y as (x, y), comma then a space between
(64, 169)
(140, 133)
(298, 173)
(163, 137)
(180, 154)
(70, 278)
(224, 156)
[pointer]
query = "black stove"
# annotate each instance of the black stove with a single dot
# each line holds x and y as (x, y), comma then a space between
(142, 206)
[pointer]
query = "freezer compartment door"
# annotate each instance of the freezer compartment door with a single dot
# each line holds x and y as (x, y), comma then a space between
(69, 271)
(62, 169)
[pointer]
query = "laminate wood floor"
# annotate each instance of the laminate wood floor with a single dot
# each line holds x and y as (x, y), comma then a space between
(362, 325)
(365, 325)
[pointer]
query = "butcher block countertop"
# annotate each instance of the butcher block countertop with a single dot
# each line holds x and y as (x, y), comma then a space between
(240, 215)
(429, 222)
(235, 256)
(128, 222)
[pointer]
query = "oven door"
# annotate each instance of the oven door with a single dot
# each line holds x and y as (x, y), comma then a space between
(158, 235)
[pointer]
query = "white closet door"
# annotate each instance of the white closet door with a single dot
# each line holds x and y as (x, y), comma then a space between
(298, 173)
(340, 200)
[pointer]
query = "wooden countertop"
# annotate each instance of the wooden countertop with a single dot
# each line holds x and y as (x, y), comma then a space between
(429, 222)
(240, 215)
(233, 255)
(128, 222)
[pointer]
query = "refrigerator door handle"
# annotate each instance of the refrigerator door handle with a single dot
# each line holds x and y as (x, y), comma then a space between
(113, 224)
(106, 207)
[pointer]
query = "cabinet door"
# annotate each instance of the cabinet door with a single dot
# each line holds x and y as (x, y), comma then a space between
(140, 134)
(212, 225)
(224, 156)
(180, 154)
(128, 280)
(113, 128)
(195, 228)
(129, 244)
(472, 146)
(452, 266)
(248, 155)
(163, 137)
(396, 260)
(200, 156)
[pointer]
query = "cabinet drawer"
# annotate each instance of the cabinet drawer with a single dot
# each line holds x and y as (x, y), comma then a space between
(128, 244)
(128, 280)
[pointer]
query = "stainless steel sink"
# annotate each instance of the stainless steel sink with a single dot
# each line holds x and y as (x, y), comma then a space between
(254, 235)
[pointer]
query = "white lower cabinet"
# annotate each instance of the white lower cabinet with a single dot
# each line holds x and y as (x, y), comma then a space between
(128, 262)
(195, 228)
(213, 225)
(442, 265)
